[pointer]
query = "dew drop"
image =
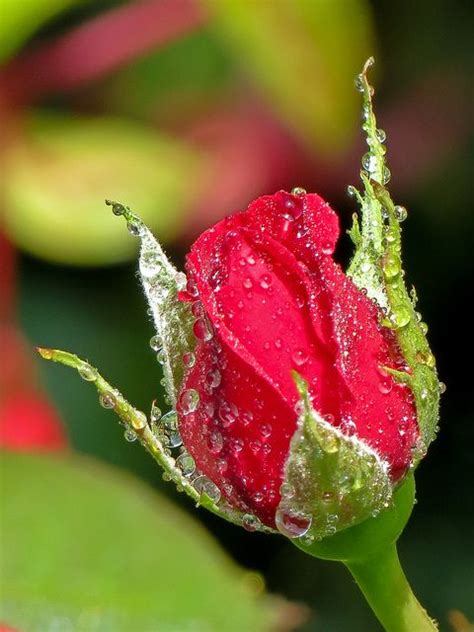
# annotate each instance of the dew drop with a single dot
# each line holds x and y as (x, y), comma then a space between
(213, 378)
(351, 190)
(130, 436)
(299, 357)
(134, 227)
(292, 524)
(155, 343)
(189, 359)
(150, 264)
(442, 387)
(401, 213)
(287, 490)
(215, 441)
(204, 485)
(186, 464)
(247, 283)
(265, 281)
(298, 191)
(155, 413)
(381, 135)
(189, 400)
(250, 522)
(191, 288)
(87, 373)
(201, 330)
(107, 400)
(227, 413)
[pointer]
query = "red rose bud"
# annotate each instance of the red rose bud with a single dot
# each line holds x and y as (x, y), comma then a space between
(301, 394)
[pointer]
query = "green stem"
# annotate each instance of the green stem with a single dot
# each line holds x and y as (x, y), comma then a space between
(384, 585)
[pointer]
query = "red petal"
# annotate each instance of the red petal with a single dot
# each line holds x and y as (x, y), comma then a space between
(277, 302)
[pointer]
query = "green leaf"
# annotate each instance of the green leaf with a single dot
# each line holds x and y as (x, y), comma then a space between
(377, 268)
(331, 481)
(88, 548)
(54, 177)
(22, 19)
(303, 56)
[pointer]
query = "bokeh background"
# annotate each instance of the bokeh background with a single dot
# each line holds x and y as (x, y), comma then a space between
(186, 111)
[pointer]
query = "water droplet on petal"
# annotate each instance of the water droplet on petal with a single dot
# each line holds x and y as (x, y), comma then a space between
(215, 441)
(189, 400)
(299, 357)
(189, 359)
(227, 413)
(201, 330)
(265, 281)
(298, 191)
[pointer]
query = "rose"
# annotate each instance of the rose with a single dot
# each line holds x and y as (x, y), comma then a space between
(269, 299)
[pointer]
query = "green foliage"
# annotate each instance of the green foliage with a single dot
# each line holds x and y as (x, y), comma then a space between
(19, 19)
(89, 548)
(56, 174)
(303, 56)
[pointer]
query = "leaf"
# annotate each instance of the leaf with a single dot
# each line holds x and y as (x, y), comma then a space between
(89, 549)
(21, 19)
(303, 56)
(331, 481)
(55, 175)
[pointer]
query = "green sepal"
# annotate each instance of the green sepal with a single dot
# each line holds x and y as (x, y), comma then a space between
(377, 269)
(137, 427)
(334, 480)
(172, 318)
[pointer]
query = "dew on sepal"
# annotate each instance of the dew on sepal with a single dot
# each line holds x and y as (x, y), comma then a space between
(88, 373)
(204, 486)
(107, 400)
(161, 283)
(331, 480)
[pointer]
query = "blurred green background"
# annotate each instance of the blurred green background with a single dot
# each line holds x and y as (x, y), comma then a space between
(186, 111)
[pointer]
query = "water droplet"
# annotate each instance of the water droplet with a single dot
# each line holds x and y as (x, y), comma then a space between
(138, 420)
(265, 281)
(250, 522)
(386, 175)
(401, 213)
(173, 439)
(424, 328)
(186, 464)
(191, 288)
(107, 400)
(381, 135)
(87, 373)
(189, 400)
(118, 209)
(204, 485)
(134, 227)
(246, 417)
(201, 330)
(292, 524)
(150, 264)
(189, 359)
(169, 420)
(265, 430)
(298, 191)
(360, 83)
(215, 441)
(351, 190)
(391, 266)
(299, 357)
(161, 356)
(227, 413)
(258, 497)
(247, 283)
(155, 413)
(287, 491)
(155, 343)
(401, 316)
(442, 387)
(130, 436)
(255, 446)
(213, 378)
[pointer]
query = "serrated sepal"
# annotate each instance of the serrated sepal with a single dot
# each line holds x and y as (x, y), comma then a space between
(172, 318)
(331, 480)
(377, 269)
